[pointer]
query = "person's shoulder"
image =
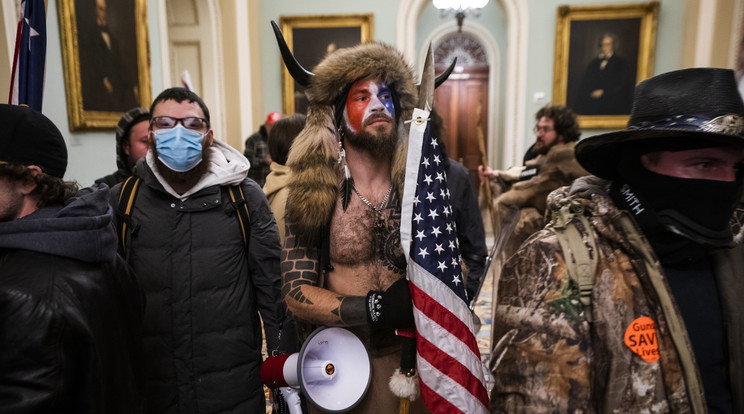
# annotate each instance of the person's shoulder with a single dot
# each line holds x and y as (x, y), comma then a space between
(457, 166)
(249, 185)
(253, 194)
(456, 171)
(562, 150)
(256, 136)
(112, 179)
(533, 265)
(32, 274)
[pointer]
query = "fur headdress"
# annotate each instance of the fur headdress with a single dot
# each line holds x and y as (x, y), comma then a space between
(314, 155)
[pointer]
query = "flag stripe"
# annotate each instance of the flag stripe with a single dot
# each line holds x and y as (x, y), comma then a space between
(447, 320)
(449, 397)
(453, 348)
(441, 404)
(462, 375)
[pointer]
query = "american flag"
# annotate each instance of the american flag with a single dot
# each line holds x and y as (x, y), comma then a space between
(27, 79)
(448, 359)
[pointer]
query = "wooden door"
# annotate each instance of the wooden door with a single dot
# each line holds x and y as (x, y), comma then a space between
(462, 102)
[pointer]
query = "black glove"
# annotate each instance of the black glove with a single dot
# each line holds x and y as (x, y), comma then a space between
(392, 308)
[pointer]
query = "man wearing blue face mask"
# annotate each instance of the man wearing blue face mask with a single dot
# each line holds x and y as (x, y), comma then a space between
(204, 286)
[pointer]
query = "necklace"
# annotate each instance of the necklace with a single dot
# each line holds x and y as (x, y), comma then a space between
(380, 221)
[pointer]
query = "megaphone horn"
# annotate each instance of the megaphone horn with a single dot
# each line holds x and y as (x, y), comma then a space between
(332, 369)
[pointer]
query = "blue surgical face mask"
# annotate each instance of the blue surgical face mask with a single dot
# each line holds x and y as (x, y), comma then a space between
(180, 149)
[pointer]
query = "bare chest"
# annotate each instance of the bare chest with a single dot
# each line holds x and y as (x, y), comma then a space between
(363, 250)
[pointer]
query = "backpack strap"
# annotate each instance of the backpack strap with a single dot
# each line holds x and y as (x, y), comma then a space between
(580, 254)
(127, 195)
(241, 207)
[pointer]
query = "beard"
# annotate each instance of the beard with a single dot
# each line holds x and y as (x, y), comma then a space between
(188, 178)
(11, 205)
(541, 148)
(380, 144)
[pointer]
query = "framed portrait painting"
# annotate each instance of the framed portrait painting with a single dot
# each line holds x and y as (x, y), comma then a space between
(601, 53)
(106, 60)
(311, 38)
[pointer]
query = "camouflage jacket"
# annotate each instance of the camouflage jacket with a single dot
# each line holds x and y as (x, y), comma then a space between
(548, 358)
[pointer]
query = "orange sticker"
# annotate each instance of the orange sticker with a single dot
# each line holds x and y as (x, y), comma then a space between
(641, 338)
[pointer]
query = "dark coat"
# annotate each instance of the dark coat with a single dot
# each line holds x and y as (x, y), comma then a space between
(70, 313)
(470, 231)
(202, 332)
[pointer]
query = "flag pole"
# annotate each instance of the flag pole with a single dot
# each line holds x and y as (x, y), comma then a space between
(488, 195)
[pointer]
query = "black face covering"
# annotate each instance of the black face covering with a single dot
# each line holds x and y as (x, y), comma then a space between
(675, 211)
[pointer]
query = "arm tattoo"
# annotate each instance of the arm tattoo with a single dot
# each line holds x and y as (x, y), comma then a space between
(303, 294)
(298, 269)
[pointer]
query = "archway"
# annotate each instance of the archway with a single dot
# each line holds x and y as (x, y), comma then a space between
(515, 64)
(468, 101)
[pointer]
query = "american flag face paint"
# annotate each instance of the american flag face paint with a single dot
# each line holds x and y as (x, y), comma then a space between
(369, 103)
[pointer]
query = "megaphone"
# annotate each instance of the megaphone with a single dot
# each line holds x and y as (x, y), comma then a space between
(332, 369)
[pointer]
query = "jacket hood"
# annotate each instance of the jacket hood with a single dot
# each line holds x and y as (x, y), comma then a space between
(127, 121)
(277, 179)
(81, 229)
(227, 166)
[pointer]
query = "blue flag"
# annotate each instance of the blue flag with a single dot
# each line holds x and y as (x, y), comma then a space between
(27, 80)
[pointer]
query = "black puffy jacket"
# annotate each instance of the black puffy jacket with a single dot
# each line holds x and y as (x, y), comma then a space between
(70, 313)
(202, 332)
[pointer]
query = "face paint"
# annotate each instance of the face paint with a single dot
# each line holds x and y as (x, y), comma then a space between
(368, 99)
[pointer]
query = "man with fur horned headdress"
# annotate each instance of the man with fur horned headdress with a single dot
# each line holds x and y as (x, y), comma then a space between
(342, 262)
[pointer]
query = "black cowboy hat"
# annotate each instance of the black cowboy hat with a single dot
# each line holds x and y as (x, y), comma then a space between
(683, 109)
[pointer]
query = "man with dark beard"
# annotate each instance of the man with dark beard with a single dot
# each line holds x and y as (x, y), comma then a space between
(556, 132)
(342, 262)
(204, 287)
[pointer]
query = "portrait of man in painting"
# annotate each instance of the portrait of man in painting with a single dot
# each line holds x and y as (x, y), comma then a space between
(107, 48)
(602, 66)
(312, 44)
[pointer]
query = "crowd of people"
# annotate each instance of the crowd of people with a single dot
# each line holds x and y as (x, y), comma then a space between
(155, 289)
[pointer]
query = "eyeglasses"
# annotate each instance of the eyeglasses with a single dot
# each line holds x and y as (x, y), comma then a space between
(190, 122)
(544, 130)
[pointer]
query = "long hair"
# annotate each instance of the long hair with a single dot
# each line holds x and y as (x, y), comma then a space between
(50, 190)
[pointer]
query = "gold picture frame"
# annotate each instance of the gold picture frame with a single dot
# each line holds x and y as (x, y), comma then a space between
(598, 86)
(311, 38)
(106, 60)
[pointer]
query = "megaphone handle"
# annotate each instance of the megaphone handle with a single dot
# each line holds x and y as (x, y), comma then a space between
(292, 398)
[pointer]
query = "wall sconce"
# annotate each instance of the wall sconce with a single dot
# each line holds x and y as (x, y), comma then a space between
(460, 8)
